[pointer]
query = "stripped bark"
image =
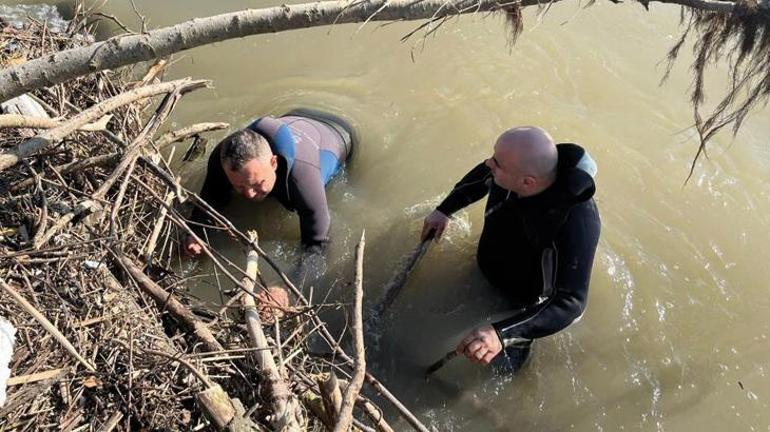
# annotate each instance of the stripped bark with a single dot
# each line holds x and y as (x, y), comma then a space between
(283, 405)
(22, 121)
(35, 377)
(331, 395)
(153, 241)
(352, 390)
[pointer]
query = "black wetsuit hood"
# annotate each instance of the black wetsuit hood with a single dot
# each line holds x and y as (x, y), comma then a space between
(544, 213)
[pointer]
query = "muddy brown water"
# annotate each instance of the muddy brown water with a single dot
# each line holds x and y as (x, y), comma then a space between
(675, 334)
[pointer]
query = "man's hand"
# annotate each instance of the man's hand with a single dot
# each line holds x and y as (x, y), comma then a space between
(191, 247)
(436, 222)
(481, 345)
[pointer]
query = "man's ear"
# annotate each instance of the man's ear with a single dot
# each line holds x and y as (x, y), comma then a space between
(529, 181)
(274, 162)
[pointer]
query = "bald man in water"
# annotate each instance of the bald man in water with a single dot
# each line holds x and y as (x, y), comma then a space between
(541, 228)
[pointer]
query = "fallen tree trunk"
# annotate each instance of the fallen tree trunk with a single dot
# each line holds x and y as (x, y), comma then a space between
(129, 49)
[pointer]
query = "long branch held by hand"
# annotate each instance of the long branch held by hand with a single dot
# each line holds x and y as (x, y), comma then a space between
(396, 283)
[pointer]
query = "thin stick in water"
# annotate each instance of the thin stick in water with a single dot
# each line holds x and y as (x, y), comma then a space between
(439, 364)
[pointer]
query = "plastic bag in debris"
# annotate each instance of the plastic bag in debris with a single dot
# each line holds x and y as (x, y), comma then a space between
(7, 338)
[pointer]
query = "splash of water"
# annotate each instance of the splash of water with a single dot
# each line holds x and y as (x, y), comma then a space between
(17, 15)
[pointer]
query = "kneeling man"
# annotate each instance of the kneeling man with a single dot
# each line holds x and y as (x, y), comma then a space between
(291, 158)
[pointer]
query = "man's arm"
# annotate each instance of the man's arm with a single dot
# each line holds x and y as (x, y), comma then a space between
(575, 247)
(309, 198)
(471, 188)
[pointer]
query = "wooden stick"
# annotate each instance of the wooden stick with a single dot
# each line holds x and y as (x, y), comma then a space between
(176, 357)
(50, 328)
(439, 364)
(84, 207)
(375, 415)
(189, 131)
(331, 395)
(284, 407)
(372, 411)
(153, 73)
(167, 301)
(397, 282)
(126, 163)
(157, 228)
(22, 121)
(359, 371)
(54, 136)
(112, 422)
(76, 165)
(35, 377)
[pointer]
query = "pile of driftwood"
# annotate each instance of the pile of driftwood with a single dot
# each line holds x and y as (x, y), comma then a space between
(90, 220)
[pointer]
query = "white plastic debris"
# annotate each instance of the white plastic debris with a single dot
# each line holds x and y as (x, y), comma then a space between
(7, 338)
(92, 264)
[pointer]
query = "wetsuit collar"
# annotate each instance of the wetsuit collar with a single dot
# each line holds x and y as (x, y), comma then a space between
(574, 179)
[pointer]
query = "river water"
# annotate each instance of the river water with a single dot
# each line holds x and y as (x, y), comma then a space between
(675, 334)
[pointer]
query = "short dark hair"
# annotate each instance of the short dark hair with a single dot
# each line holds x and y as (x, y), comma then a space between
(243, 146)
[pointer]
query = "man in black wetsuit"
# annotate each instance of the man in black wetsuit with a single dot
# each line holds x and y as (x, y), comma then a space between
(541, 228)
(291, 158)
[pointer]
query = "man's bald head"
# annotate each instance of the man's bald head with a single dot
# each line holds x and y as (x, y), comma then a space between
(525, 160)
(530, 150)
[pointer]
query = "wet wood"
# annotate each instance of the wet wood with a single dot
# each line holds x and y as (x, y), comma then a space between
(440, 363)
(359, 369)
(189, 132)
(283, 404)
(394, 286)
(331, 396)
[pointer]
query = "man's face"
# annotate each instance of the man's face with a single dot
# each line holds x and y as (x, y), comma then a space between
(255, 179)
(503, 170)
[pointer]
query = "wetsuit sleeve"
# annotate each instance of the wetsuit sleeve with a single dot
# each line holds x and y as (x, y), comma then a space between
(216, 191)
(575, 247)
(311, 205)
(471, 188)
